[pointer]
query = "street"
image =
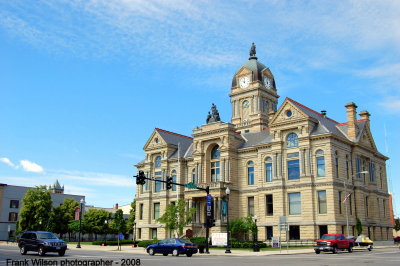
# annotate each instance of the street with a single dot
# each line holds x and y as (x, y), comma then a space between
(75, 257)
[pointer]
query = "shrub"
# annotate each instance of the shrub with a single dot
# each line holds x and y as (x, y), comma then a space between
(198, 240)
(145, 243)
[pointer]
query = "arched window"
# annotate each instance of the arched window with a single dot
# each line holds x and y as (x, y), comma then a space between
(268, 169)
(250, 173)
(266, 106)
(158, 162)
(173, 175)
(215, 171)
(292, 140)
(320, 163)
(245, 110)
(194, 177)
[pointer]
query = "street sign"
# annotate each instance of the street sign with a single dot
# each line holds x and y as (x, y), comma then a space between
(284, 227)
(209, 206)
(190, 185)
(121, 237)
(219, 239)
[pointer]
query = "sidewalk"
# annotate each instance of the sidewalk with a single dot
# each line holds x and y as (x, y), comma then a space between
(213, 252)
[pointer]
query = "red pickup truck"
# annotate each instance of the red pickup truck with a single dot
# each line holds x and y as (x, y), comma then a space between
(333, 242)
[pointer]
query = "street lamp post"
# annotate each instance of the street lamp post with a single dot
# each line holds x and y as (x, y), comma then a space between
(228, 246)
(255, 244)
(345, 188)
(80, 224)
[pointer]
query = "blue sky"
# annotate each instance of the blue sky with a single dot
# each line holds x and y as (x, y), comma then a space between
(84, 83)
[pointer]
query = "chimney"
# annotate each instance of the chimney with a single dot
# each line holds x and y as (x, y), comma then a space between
(116, 206)
(351, 120)
(364, 115)
(323, 113)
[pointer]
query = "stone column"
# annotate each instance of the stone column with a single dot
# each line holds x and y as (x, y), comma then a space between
(310, 167)
(223, 169)
(276, 168)
(302, 159)
(280, 165)
(200, 177)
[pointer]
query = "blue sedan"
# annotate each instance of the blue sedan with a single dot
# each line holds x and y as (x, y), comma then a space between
(174, 246)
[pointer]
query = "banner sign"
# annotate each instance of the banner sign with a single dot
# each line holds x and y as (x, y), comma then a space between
(219, 239)
(224, 207)
(77, 213)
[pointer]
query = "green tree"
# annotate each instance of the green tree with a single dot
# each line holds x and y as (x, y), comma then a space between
(62, 215)
(176, 217)
(35, 211)
(95, 221)
(359, 228)
(397, 224)
(132, 217)
(118, 224)
(241, 226)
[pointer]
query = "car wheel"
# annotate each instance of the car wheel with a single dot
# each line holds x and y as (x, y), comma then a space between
(165, 254)
(22, 250)
(350, 249)
(189, 254)
(61, 253)
(317, 251)
(369, 248)
(334, 250)
(151, 252)
(41, 251)
(175, 253)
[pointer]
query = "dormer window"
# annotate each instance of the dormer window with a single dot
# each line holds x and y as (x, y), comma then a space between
(156, 140)
(292, 140)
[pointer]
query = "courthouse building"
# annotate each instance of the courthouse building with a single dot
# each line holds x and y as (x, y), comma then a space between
(289, 161)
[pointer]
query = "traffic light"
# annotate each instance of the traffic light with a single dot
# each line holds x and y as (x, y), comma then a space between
(140, 178)
(210, 223)
(169, 182)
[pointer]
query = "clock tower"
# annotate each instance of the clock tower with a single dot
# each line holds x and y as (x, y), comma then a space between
(253, 95)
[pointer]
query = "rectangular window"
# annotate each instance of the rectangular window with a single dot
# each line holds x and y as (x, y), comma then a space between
(270, 205)
(215, 172)
(250, 206)
(268, 172)
(294, 232)
(337, 166)
(340, 201)
(322, 202)
(12, 216)
(293, 155)
(173, 185)
(270, 232)
(347, 169)
(366, 206)
(358, 167)
(250, 175)
(381, 176)
(384, 208)
(321, 166)
(14, 204)
(157, 185)
(140, 233)
(294, 203)
(372, 172)
(323, 229)
(141, 211)
(293, 169)
(154, 233)
(156, 211)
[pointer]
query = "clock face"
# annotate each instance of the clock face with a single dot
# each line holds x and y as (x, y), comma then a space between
(267, 82)
(244, 82)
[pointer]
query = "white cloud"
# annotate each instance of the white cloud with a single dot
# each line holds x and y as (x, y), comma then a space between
(8, 162)
(29, 166)
(391, 104)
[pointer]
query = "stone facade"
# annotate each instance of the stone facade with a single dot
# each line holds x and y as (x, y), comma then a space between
(292, 161)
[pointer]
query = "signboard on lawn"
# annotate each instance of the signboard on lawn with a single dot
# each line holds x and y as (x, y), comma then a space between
(276, 243)
(219, 239)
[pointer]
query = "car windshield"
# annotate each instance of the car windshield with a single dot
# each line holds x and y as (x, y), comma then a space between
(46, 236)
(183, 240)
(328, 237)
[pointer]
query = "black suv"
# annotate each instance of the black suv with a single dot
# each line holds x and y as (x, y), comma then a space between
(41, 242)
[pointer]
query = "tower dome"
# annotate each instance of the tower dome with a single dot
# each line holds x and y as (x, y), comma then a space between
(259, 71)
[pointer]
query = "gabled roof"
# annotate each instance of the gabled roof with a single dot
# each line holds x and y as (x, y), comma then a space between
(255, 138)
(182, 142)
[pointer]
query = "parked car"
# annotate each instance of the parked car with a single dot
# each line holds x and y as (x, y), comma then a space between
(41, 242)
(333, 243)
(396, 239)
(174, 246)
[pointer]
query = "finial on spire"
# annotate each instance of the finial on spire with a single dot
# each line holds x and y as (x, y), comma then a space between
(253, 51)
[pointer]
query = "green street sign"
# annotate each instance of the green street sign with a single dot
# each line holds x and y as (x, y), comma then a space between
(190, 185)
